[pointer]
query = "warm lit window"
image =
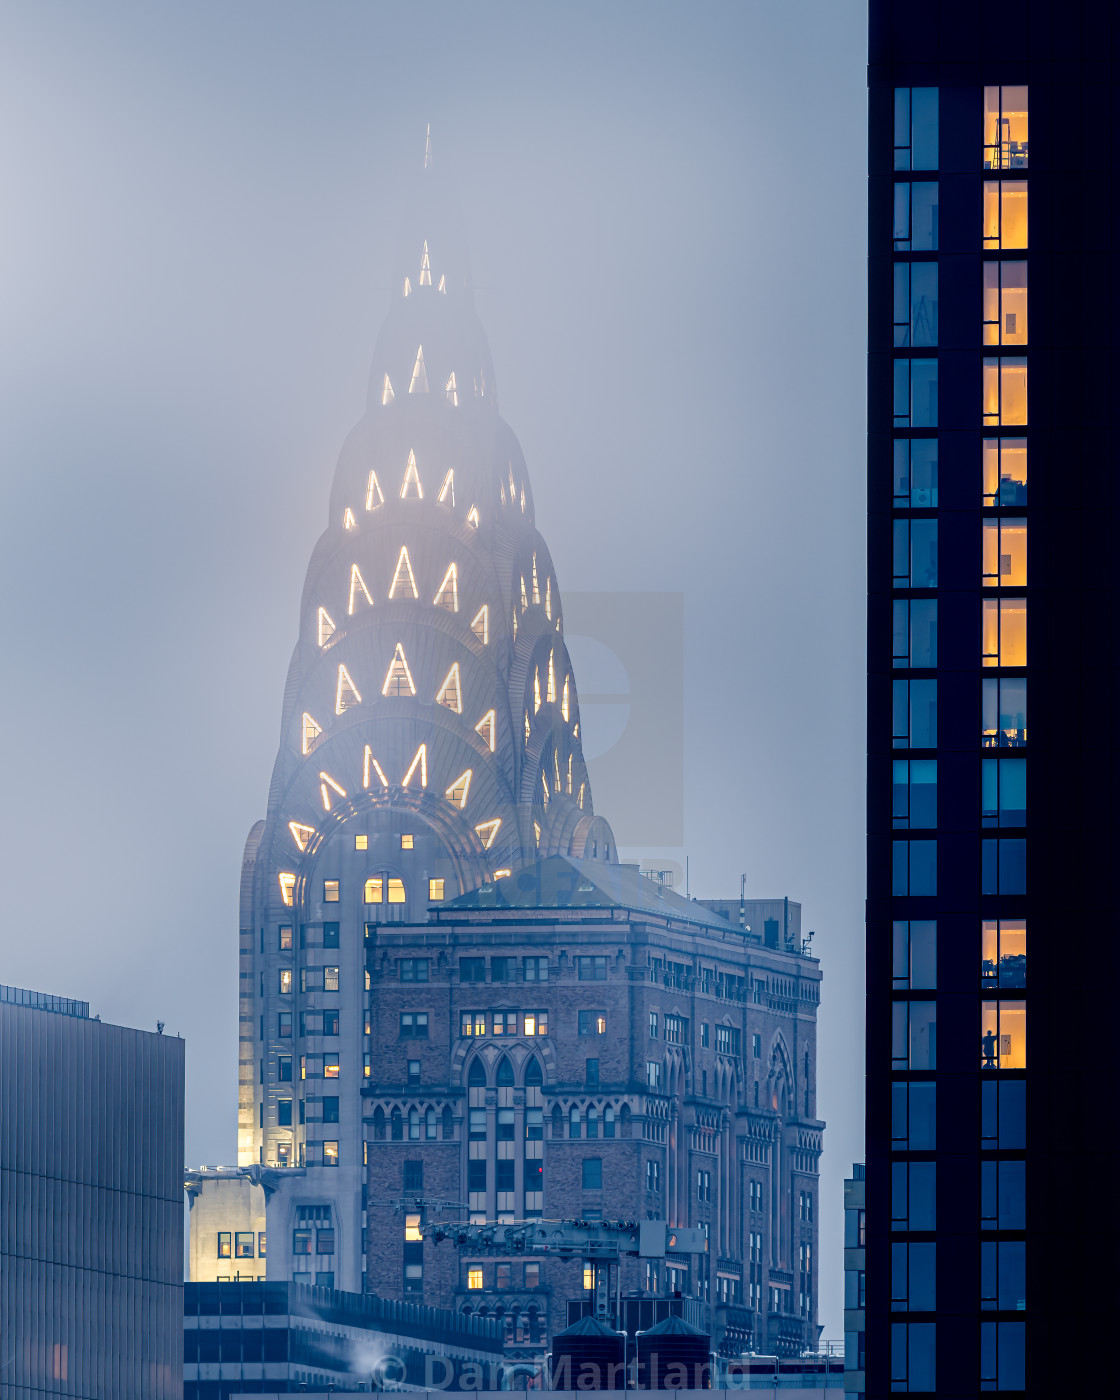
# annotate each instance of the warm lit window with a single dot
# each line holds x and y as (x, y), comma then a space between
(915, 216)
(474, 1277)
(419, 381)
(375, 890)
(412, 1228)
(450, 693)
(330, 1154)
(225, 1240)
(1005, 471)
(535, 1023)
(1005, 128)
(330, 891)
(480, 625)
(447, 490)
(457, 791)
(915, 632)
(361, 843)
(435, 890)
(330, 979)
(1005, 392)
(396, 891)
(346, 692)
(287, 885)
(243, 1243)
(357, 586)
(348, 521)
(408, 842)
(451, 389)
(285, 981)
(1003, 709)
(327, 785)
(915, 393)
(285, 939)
(1003, 958)
(486, 727)
(1005, 213)
(472, 516)
(447, 595)
(1005, 553)
(403, 577)
(326, 627)
(419, 761)
(1003, 1035)
(301, 834)
(487, 831)
(1004, 631)
(915, 553)
(915, 128)
(387, 395)
(1005, 303)
(914, 714)
(330, 1066)
(398, 678)
(368, 762)
(374, 498)
(915, 304)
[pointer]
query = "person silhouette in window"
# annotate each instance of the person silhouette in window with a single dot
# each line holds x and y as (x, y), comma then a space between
(988, 1049)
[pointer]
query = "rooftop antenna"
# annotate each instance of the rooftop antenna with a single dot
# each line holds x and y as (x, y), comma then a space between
(428, 149)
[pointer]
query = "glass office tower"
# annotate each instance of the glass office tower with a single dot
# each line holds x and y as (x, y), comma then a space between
(992, 637)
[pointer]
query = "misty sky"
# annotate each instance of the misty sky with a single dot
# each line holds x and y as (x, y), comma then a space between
(198, 213)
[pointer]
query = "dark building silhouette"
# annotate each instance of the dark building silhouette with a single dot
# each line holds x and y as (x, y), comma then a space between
(991, 639)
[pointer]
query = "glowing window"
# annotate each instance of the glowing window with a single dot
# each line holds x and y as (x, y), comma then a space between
(1006, 142)
(451, 391)
(374, 498)
(487, 831)
(526, 726)
(301, 834)
(458, 790)
(357, 583)
(408, 841)
(361, 843)
(330, 1071)
(486, 727)
(346, 692)
(536, 583)
(287, 886)
(1005, 391)
(1004, 632)
(435, 889)
(442, 284)
(311, 731)
(544, 788)
(403, 577)
(407, 287)
(348, 521)
(1005, 303)
(421, 761)
(1005, 213)
(411, 482)
(502, 874)
(368, 762)
(396, 891)
(425, 268)
(375, 890)
(398, 678)
(447, 490)
(569, 774)
(1005, 472)
(536, 690)
(387, 395)
(326, 627)
(524, 595)
(419, 382)
(537, 832)
(480, 624)
(474, 1277)
(330, 891)
(550, 693)
(523, 500)
(548, 598)
(450, 692)
(327, 785)
(472, 516)
(447, 595)
(575, 731)
(412, 1228)
(582, 786)
(1005, 552)
(1003, 1035)
(515, 624)
(565, 708)
(556, 766)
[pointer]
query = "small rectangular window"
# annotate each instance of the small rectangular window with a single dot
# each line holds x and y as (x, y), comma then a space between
(243, 1242)
(704, 1033)
(914, 712)
(501, 969)
(1003, 956)
(330, 979)
(914, 792)
(285, 938)
(474, 1276)
(535, 969)
(284, 1025)
(915, 633)
(534, 1023)
(1003, 1195)
(915, 473)
(330, 1065)
(913, 1277)
(406, 842)
(1003, 1035)
(1003, 1275)
(330, 1154)
(1003, 1356)
(915, 553)
(593, 1173)
(1005, 214)
(413, 1074)
(285, 981)
(414, 1025)
(1006, 139)
(1005, 472)
(914, 1116)
(591, 969)
(284, 1069)
(591, 1022)
(396, 891)
(330, 935)
(1003, 710)
(435, 891)
(915, 128)
(361, 843)
(330, 891)
(914, 868)
(915, 954)
(283, 1113)
(915, 216)
(1004, 632)
(472, 969)
(1005, 392)
(225, 1245)
(261, 1241)
(413, 969)
(915, 304)
(915, 393)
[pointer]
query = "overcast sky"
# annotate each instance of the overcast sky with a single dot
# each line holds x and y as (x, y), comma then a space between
(198, 212)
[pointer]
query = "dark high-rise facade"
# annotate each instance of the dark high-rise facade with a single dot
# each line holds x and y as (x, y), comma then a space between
(991, 637)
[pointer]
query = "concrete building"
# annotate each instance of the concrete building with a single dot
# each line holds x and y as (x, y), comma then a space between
(91, 1204)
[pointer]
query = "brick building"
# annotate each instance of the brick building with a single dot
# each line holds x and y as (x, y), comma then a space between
(575, 1042)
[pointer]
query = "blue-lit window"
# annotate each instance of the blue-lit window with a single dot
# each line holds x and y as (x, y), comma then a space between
(915, 472)
(914, 868)
(1003, 1356)
(914, 956)
(1003, 792)
(913, 1277)
(1003, 865)
(1003, 1275)
(913, 1195)
(1003, 1195)
(915, 633)
(914, 792)
(914, 1035)
(915, 128)
(913, 1116)
(1003, 1114)
(914, 714)
(915, 216)
(1003, 710)
(913, 1347)
(915, 395)
(915, 553)
(915, 304)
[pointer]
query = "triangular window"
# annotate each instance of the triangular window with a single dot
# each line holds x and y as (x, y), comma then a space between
(311, 731)
(537, 832)
(442, 284)
(425, 268)
(326, 627)
(524, 595)
(368, 763)
(523, 500)
(487, 831)
(450, 692)
(486, 726)
(556, 768)
(357, 585)
(448, 594)
(581, 789)
(544, 789)
(411, 482)
(287, 886)
(551, 692)
(301, 834)
(327, 785)
(421, 762)
(564, 702)
(548, 598)
(387, 395)
(569, 774)
(536, 585)
(407, 287)
(458, 790)
(374, 498)
(447, 490)
(536, 690)
(480, 625)
(472, 516)
(403, 579)
(346, 692)
(512, 486)
(419, 384)
(526, 726)
(398, 678)
(348, 521)
(451, 390)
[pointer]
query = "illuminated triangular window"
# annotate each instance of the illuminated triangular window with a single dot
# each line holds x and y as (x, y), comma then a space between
(480, 624)
(550, 694)
(346, 692)
(524, 595)
(512, 484)
(581, 790)
(301, 834)
(548, 599)
(575, 731)
(326, 627)
(556, 767)
(425, 268)
(537, 832)
(398, 678)
(487, 726)
(311, 731)
(515, 624)
(419, 384)
(458, 790)
(536, 690)
(387, 395)
(564, 701)
(536, 585)
(451, 391)
(487, 831)
(287, 885)
(421, 762)
(526, 726)
(348, 521)
(411, 483)
(327, 785)
(450, 692)
(374, 498)
(544, 789)
(428, 148)
(442, 284)
(472, 516)
(447, 490)
(523, 500)
(570, 773)
(448, 595)
(407, 287)
(357, 586)
(369, 763)
(404, 581)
